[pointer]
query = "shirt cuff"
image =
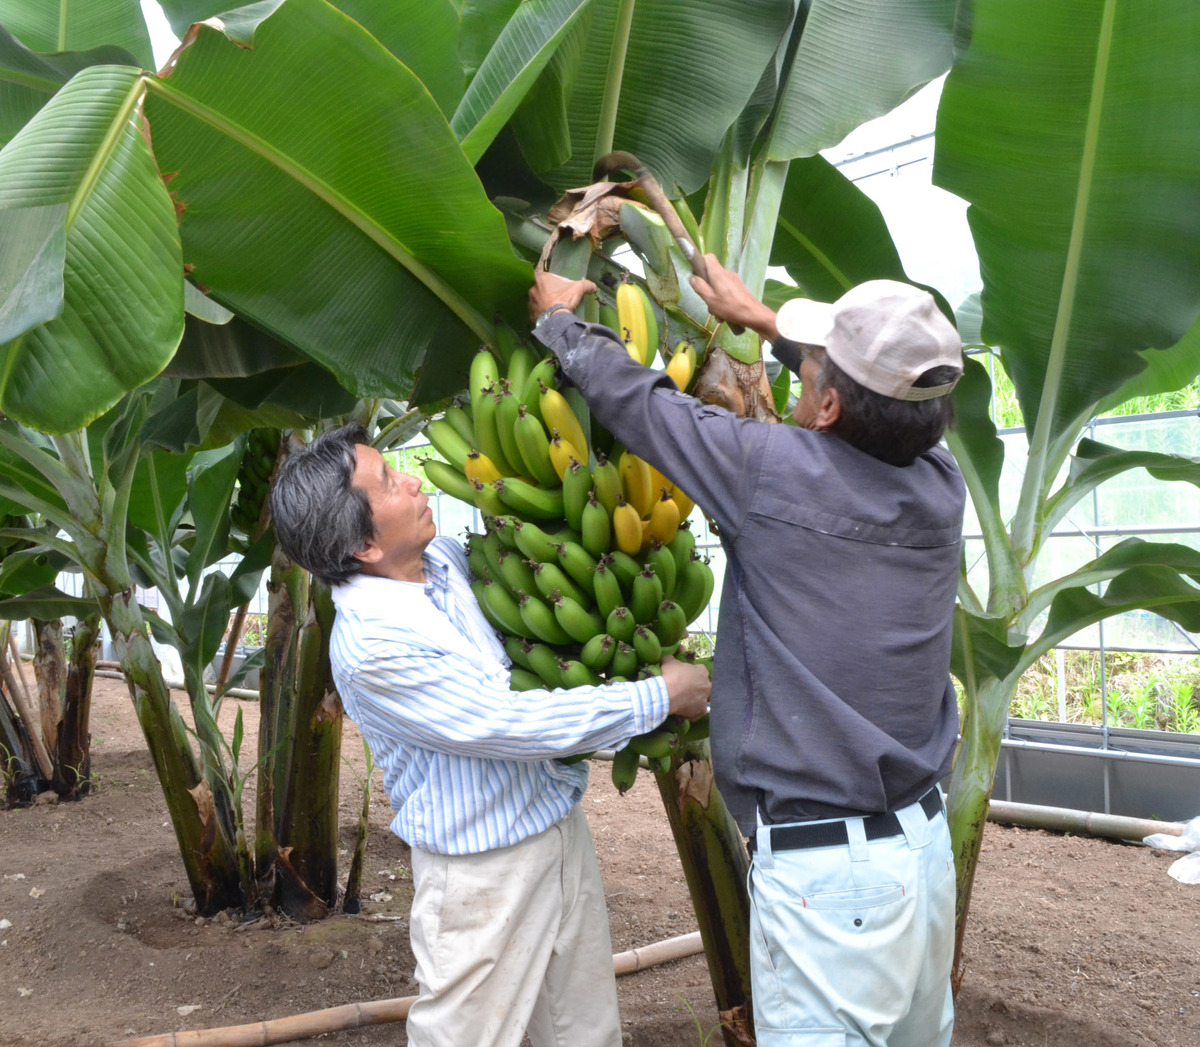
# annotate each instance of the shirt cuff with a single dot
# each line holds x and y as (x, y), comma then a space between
(651, 704)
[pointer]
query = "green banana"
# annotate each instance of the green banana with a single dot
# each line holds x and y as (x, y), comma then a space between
(670, 624)
(595, 526)
(610, 318)
(476, 559)
(606, 588)
(492, 547)
(694, 588)
(549, 578)
(646, 595)
(504, 527)
(484, 374)
(528, 501)
(487, 435)
(626, 566)
(507, 406)
(520, 364)
(460, 421)
(487, 499)
(542, 374)
(659, 556)
(504, 340)
(534, 542)
(523, 680)
(514, 572)
(517, 650)
(499, 601)
(446, 478)
(533, 445)
(577, 621)
(479, 587)
(624, 662)
(540, 621)
(621, 624)
(448, 443)
(577, 562)
(544, 662)
(576, 485)
(647, 646)
(576, 674)
(681, 546)
(606, 479)
(653, 744)
(624, 769)
(598, 652)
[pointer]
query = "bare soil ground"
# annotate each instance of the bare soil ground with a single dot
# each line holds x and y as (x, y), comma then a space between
(1071, 941)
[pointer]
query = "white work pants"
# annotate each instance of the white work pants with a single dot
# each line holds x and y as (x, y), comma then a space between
(512, 940)
(851, 946)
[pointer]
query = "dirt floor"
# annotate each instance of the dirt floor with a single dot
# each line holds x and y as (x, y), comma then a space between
(1071, 940)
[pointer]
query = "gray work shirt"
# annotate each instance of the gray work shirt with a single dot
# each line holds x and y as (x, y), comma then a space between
(831, 686)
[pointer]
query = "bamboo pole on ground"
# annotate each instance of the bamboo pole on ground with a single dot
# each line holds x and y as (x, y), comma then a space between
(377, 1012)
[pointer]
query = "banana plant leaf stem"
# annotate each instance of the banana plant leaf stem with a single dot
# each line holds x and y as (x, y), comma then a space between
(73, 753)
(612, 82)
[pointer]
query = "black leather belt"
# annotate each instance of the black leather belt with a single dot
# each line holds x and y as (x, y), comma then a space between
(834, 834)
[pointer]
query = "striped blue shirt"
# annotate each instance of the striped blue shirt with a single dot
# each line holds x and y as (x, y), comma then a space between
(468, 764)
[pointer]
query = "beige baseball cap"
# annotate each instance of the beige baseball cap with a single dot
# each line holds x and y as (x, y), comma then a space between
(884, 334)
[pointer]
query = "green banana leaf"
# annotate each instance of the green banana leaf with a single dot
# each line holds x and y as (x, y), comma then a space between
(46, 603)
(683, 71)
(1095, 462)
(1070, 127)
(310, 214)
(857, 59)
(1166, 371)
(212, 480)
(981, 649)
(422, 34)
(526, 44)
(53, 26)
(91, 280)
(28, 80)
(1131, 553)
(830, 234)
(30, 569)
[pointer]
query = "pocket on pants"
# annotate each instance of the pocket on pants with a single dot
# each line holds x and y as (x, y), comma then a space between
(855, 898)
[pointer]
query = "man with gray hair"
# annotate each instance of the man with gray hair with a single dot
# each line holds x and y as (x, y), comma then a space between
(833, 715)
(508, 925)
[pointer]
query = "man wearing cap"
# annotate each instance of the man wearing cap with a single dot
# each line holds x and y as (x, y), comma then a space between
(833, 713)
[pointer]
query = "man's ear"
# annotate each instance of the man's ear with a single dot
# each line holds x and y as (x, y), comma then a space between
(829, 408)
(369, 553)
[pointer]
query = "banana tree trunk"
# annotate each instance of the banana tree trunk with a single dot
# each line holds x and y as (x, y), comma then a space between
(208, 854)
(73, 749)
(715, 865)
(287, 589)
(308, 823)
(970, 788)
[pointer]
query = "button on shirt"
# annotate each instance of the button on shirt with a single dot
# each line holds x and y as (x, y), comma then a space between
(469, 765)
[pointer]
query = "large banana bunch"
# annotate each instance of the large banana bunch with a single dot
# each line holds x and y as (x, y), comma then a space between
(586, 564)
(254, 475)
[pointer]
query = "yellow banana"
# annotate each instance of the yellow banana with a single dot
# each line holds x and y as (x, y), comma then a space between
(636, 483)
(631, 315)
(664, 520)
(659, 482)
(562, 454)
(686, 505)
(682, 365)
(627, 528)
(479, 466)
(557, 414)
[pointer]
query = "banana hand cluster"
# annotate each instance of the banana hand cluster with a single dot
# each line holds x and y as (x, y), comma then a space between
(590, 573)
(254, 475)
